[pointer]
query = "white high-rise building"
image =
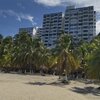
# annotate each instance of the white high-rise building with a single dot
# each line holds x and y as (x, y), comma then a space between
(52, 27)
(80, 23)
(39, 32)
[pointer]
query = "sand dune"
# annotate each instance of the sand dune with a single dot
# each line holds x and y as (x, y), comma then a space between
(36, 87)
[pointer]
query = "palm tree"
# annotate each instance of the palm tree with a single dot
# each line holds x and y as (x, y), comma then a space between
(6, 49)
(28, 51)
(66, 60)
(23, 50)
(94, 59)
(83, 51)
(94, 64)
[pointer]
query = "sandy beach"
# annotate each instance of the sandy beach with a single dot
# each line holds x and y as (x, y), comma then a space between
(36, 87)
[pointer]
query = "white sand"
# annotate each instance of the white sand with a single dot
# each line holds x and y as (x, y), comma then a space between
(35, 87)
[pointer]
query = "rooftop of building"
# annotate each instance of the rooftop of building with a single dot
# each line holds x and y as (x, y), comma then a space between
(52, 14)
(73, 7)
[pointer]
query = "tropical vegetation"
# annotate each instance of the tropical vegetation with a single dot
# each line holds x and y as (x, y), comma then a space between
(26, 53)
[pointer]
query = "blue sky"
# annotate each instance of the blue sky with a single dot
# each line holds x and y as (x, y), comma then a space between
(26, 13)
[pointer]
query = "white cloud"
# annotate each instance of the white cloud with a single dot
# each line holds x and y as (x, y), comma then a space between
(49, 2)
(95, 3)
(18, 16)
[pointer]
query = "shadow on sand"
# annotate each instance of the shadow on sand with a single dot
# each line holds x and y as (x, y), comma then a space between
(87, 90)
(44, 83)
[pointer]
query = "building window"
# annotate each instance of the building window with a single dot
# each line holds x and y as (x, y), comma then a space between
(85, 34)
(85, 30)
